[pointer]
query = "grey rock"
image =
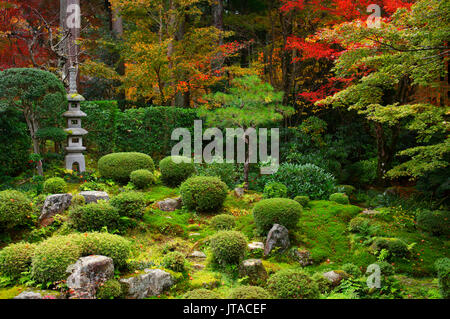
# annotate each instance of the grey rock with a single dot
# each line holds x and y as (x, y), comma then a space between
(333, 277)
(152, 283)
(87, 274)
(53, 205)
(29, 295)
(239, 192)
(254, 270)
(170, 204)
(303, 257)
(255, 245)
(197, 254)
(370, 212)
(94, 196)
(278, 237)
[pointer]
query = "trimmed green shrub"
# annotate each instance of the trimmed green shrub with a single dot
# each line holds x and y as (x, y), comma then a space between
(142, 178)
(225, 171)
(352, 270)
(119, 166)
(302, 200)
(443, 270)
(249, 292)
(203, 193)
(395, 246)
(359, 224)
(109, 290)
(223, 222)
(52, 257)
(293, 284)
(176, 169)
(275, 190)
(272, 211)
(174, 261)
(201, 293)
(228, 247)
(113, 246)
(94, 216)
(434, 222)
(130, 204)
(55, 185)
(15, 209)
(15, 259)
(339, 198)
(307, 179)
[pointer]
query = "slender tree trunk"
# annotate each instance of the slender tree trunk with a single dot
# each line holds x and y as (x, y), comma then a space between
(33, 127)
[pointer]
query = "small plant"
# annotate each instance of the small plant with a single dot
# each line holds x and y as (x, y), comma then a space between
(228, 247)
(176, 169)
(109, 290)
(395, 246)
(55, 185)
(275, 190)
(142, 178)
(249, 292)
(174, 261)
(443, 270)
(201, 293)
(352, 270)
(339, 198)
(203, 193)
(129, 204)
(293, 284)
(272, 211)
(302, 200)
(223, 222)
(346, 189)
(94, 217)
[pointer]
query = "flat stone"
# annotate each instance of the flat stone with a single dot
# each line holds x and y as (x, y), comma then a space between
(170, 204)
(278, 237)
(197, 254)
(53, 205)
(239, 192)
(29, 295)
(94, 196)
(152, 283)
(255, 245)
(303, 257)
(333, 277)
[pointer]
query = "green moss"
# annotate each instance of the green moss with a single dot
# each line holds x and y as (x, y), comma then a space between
(205, 279)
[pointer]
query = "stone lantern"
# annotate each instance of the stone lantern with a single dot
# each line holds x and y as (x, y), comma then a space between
(74, 158)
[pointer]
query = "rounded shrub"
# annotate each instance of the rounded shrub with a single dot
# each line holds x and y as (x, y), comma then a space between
(94, 216)
(307, 179)
(55, 185)
(130, 204)
(223, 222)
(293, 284)
(228, 247)
(109, 290)
(176, 169)
(174, 261)
(272, 211)
(113, 246)
(302, 200)
(201, 293)
(15, 209)
(442, 267)
(359, 224)
(249, 292)
(275, 190)
(339, 198)
(395, 246)
(119, 166)
(142, 178)
(15, 259)
(434, 222)
(52, 257)
(203, 193)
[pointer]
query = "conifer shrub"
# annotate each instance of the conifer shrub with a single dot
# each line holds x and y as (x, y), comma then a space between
(228, 247)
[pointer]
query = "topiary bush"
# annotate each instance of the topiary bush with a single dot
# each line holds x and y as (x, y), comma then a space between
(119, 166)
(228, 247)
(307, 179)
(201, 293)
(55, 185)
(339, 198)
(442, 267)
(434, 222)
(94, 216)
(130, 204)
(203, 193)
(395, 246)
(113, 246)
(272, 211)
(275, 190)
(249, 292)
(15, 209)
(109, 290)
(52, 257)
(142, 178)
(15, 259)
(174, 261)
(293, 284)
(176, 169)
(302, 200)
(223, 222)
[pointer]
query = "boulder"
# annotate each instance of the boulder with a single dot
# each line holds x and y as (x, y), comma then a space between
(197, 254)
(255, 246)
(335, 277)
(278, 237)
(152, 283)
(29, 295)
(94, 196)
(170, 204)
(303, 257)
(53, 205)
(254, 270)
(40, 294)
(87, 274)
(370, 212)
(239, 192)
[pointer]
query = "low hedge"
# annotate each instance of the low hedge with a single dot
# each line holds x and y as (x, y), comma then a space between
(293, 284)
(94, 217)
(119, 166)
(129, 204)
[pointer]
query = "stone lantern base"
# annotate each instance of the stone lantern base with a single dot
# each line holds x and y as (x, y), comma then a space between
(75, 158)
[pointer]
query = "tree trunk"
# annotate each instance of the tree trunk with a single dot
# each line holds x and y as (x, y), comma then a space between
(385, 150)
(33, 127)
(71, 30)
